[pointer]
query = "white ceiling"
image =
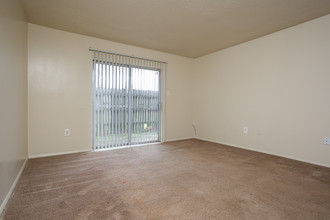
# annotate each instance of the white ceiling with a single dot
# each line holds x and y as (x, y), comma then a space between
(190, 28)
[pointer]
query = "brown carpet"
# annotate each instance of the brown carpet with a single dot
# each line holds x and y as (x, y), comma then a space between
(189, 179)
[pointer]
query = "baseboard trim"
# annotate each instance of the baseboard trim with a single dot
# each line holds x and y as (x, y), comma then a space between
(127, 146)
(58, 154)
(261, 151)
(90, 150)
(11, 190)
(179, 139)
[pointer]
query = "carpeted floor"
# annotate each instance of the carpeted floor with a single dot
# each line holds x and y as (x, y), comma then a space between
(189, 179)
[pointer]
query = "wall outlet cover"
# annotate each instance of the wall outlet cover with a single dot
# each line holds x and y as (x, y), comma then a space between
(245, 130)
(66, 132)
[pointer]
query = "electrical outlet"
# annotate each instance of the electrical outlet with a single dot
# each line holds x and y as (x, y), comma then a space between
(245, 130)
(66, 132)
(327, 140)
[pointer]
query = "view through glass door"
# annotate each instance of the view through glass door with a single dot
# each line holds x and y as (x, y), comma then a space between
(126, 104)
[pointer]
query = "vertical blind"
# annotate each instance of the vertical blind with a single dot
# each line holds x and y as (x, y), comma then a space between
(127, 100)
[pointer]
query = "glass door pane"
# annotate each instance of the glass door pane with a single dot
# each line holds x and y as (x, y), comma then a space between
(110, 105)
(145, 106)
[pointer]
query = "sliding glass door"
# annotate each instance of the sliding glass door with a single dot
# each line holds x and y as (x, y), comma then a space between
(126, 103)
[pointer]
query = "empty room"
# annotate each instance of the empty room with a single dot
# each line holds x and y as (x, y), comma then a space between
(165, 109)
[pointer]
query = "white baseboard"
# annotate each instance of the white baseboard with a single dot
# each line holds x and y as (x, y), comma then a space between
(90, 150)
(11, 190)
(141, 145)
(58, 153)
(179, 139)
(127, 146)
(261, 151)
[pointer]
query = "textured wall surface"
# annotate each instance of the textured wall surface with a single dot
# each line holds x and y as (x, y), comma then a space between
(13, 93)
(277, 86)
(60, 90)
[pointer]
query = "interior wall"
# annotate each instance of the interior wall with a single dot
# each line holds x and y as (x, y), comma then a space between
(60, 90)
(277, 85)
(13, 93)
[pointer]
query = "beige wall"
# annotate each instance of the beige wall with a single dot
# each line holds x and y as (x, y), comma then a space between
(13, 93)
(278, 86)
(60, 93)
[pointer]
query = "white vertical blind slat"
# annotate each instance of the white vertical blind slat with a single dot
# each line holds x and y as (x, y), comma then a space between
(112, 102)
(108, 100)
(159, 103)
(98, 103)
(94, 105)
(102, 100)
(116, 101)
(129, 104)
